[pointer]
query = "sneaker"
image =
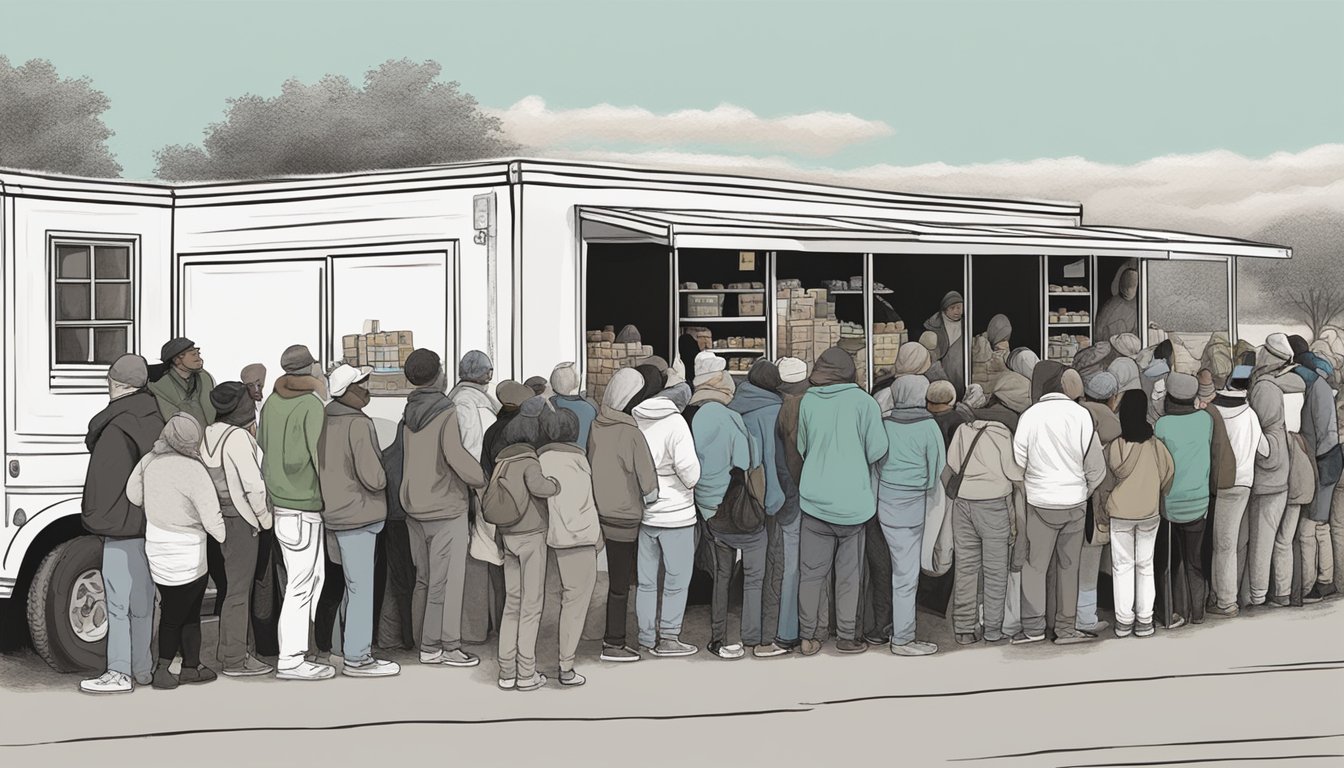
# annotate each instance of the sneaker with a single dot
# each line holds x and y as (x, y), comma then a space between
(1023, 638)
(1144, 629)
(1075, 637)
(619, 654)
(371, 667)
(966, 638)
(1219, 612)
(673, 647)
(811, 647)
(537, 681)
(734, 651)
(1314, 596)
(1327, 589)
(250, 667)
(1101, 626)
(163, 679)
(1123, 630)
(507, 685)
(322, 658)
(431, 658)
(770, 651)
(850, 646)
(1177, 621)
(994, 637)
(914, 648)
(108, 682)
(1281, 602)
(878, 642)
(460, 658)
(201, 674)
(572, 679)
(307, 671)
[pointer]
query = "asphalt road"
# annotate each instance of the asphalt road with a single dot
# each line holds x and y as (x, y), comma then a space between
(1266, 687)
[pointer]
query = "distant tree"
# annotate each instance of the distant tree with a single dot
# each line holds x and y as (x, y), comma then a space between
(51, 123)
(1317, 306)
(402, 116)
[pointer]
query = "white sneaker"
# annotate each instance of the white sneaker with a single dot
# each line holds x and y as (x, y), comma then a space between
(307, 671)
(431, 658)
(914, 648)
(108, 682)
(507, 685)
(371, 668)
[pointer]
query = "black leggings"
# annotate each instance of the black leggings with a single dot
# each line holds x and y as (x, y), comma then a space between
(180, 622)
(329, 606)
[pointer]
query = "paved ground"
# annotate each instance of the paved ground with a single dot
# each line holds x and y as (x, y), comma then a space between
(1266, 686)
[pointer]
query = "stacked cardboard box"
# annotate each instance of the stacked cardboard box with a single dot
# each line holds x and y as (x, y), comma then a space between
(385, 351)
(606, 356)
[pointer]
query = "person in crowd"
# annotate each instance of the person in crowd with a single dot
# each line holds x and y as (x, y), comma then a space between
(396, 622)
(1207, 389)
(1059, 451)
(1101, 396)
(229, 453)
(1125, 345)
(946, 324)
(758, 402)
(1247, 442)
(253, 377)
(292, 420)
(181, 382)
(1093, 359)
(511, 396)
(1154, 378)
(573, 530)
(912, 359)
(654, 383)
(942, 405)
(989, 351)
(625, 479)
(1188, 436)
(438, 476)
(840, 440)
(538, 385)
(1011, 397)
(1320, 429)
(119, 436)
(565, 382)
(265, 587)
(1120, 313)
(1023, 360)
(789, 471)
(907, 475)
(1143, 471)
(988, 512)
(350, 468)
(171, 485)
(519, 481)
(1269, 490)
(722, 444)
(1126, 373)
(709, 366)
(481, 617)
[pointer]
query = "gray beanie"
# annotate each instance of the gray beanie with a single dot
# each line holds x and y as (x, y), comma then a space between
(297, 359)
(130, 370)
(475, 366)
(1101, 386)
(565, 379)
(1182, 386)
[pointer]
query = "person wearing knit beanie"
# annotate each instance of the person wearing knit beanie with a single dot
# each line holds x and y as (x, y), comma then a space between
(565, 384)
(792, 370)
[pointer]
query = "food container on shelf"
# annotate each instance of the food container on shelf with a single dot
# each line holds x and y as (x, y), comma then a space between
(704, 305)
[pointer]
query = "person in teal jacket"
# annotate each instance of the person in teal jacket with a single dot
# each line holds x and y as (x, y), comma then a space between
(1188, 435)
(758, 402)
(906, 478)
(840, 438)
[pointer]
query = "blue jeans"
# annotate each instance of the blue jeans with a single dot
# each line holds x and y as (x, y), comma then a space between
(787, 633)
(675, 549)
(901, 512)
(129, 590)
(357, 551)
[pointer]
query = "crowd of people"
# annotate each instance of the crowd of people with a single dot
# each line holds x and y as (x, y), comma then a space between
(845, 508)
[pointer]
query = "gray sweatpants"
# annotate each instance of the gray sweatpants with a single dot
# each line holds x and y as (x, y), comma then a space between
(240, 568)
(825, 549)
(900, 513)
(578, 577)
(439, 550)
(1268, 514)
(1052, 534)
(980, 531)
(129, 591)
(1313, 547)
(525, 593)
(1228, 512)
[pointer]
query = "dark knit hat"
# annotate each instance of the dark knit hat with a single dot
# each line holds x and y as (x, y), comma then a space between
(175, 347)
(537, 384)
(952, 297)
(229, 398)
(422, 367)
(297, 359)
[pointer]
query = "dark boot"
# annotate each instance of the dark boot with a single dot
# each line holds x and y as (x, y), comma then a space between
(201, 674)
(163, 679)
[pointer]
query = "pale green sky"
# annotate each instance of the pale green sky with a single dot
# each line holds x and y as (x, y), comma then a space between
(959, 82)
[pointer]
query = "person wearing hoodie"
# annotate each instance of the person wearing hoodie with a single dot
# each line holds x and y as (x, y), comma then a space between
(229, 454)
(911, 359)
(1022, 361)
(625, 479)
(709, 366)
(119, 436)
(1120, 313)
(788, 520)
(1247, 442)
(573, 530)
(291, 425)
(1010, 398)
(181, 382)
(171, 485)
(722, 444)
(1143, 471)
(654, 383)
(989, 351)
(565, 382)
(841, 440)
(518, 474)
(1101, 396)
(1058, 449)
(1188, 435)
(353, 480)
(946, 324)
(438, 477)
(1269, 490)
(1320, 430)
(907, 476)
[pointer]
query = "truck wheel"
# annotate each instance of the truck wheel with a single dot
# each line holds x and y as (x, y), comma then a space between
(67, 609)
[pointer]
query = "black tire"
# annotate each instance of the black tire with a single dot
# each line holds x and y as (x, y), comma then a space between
(49, 607)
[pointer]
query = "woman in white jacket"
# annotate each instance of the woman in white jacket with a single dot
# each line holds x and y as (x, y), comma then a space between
(171, 484)
(667, 532)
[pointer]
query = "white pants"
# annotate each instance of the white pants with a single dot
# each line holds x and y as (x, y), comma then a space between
(301, 546)
(1132, 545)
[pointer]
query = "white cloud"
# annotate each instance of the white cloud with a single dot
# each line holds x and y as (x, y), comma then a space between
(814, 134)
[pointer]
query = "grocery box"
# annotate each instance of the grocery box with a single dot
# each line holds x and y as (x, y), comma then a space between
(801, 310)
(704, 305)
(800, 331)
(750, 305)
(817, 294)
(797, 293)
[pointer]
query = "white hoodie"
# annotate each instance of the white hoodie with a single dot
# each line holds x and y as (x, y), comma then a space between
(1247, 439)
(1057, 446)
(235, 450)
(673, 449)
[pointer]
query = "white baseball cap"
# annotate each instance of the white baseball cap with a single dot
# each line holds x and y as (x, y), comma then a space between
(344, 375)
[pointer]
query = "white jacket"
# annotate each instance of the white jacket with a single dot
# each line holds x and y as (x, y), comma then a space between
(234, 449)
(1057, 446)
(1247, 439)
(673, 449)
(476, 412)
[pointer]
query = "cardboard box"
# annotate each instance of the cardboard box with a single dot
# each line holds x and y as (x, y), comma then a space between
(801, 331)
(797, 293)
(801, 310)
(406, 339)
(817, 294)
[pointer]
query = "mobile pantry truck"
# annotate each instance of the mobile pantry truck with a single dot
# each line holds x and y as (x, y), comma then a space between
(535, 262)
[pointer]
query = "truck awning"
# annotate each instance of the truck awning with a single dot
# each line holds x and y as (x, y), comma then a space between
(793, 232)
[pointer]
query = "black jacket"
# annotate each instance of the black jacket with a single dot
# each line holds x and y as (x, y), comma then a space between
(119, 436)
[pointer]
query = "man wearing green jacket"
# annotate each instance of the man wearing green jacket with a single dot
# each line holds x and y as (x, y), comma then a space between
(1188, 436)
(840, 438)
(181, 383)
(291, 426)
